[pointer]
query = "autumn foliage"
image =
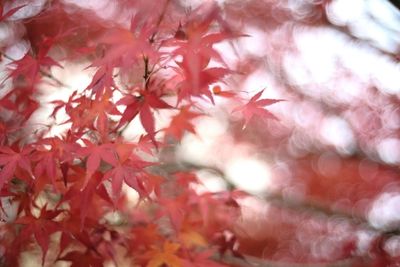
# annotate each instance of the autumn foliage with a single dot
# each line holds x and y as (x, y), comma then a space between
(79, 190)
(65, 185)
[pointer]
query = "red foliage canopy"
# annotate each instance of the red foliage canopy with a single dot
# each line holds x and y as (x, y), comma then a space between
(79, 190)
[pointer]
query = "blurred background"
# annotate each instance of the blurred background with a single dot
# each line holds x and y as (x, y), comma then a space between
(325, 178)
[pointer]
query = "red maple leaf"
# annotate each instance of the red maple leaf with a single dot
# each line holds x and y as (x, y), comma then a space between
(94, 155)
(98, 245)
(181, 123)
(11, 160)
(129, 169)
(196, 81)
(29, 67)
(85, 204)
(256, 107)
(21, 102)
(52, 156)
(196, 49)
(85, 112)
(41, 228)
(144, 236)
(142, 105)
(102, 82)
(125, 46)
(196, 46)
(9, 13)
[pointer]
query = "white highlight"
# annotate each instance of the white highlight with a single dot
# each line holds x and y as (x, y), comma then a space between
(336, 131)
(249, 174)
(389, 150)
(385, 212)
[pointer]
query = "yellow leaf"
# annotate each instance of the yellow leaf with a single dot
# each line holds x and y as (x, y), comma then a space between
(166, 256)
(192, 238)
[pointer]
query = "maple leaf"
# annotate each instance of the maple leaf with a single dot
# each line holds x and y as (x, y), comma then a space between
(91, 113)
(6, 103)
(129, 169)
(21, 102)
(65, 240)
(174, 209)
(41, 228)
(9, 13)
(102, 81)
(255, 107)
(125, 46)
(165, 256)
(196, 81)
(184, 179)
(22, 193)
(7, 128)
(29, 67)
(142, 105)
(98, 247)
(196, 50)
(86, 201)
(46, 163)
(95, 154)
(10, 160)
(133, 104)
(196, 46)
(146, 145)
(67, 105)
(145, 236)
(51, 155)
(181, 123)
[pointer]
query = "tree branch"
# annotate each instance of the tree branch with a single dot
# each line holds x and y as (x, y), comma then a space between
(286, 202)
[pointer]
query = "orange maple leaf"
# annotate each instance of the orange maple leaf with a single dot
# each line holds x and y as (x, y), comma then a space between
(165, 256)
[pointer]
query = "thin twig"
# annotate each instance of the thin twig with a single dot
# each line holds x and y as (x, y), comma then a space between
(286, 202)
(147, 72)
